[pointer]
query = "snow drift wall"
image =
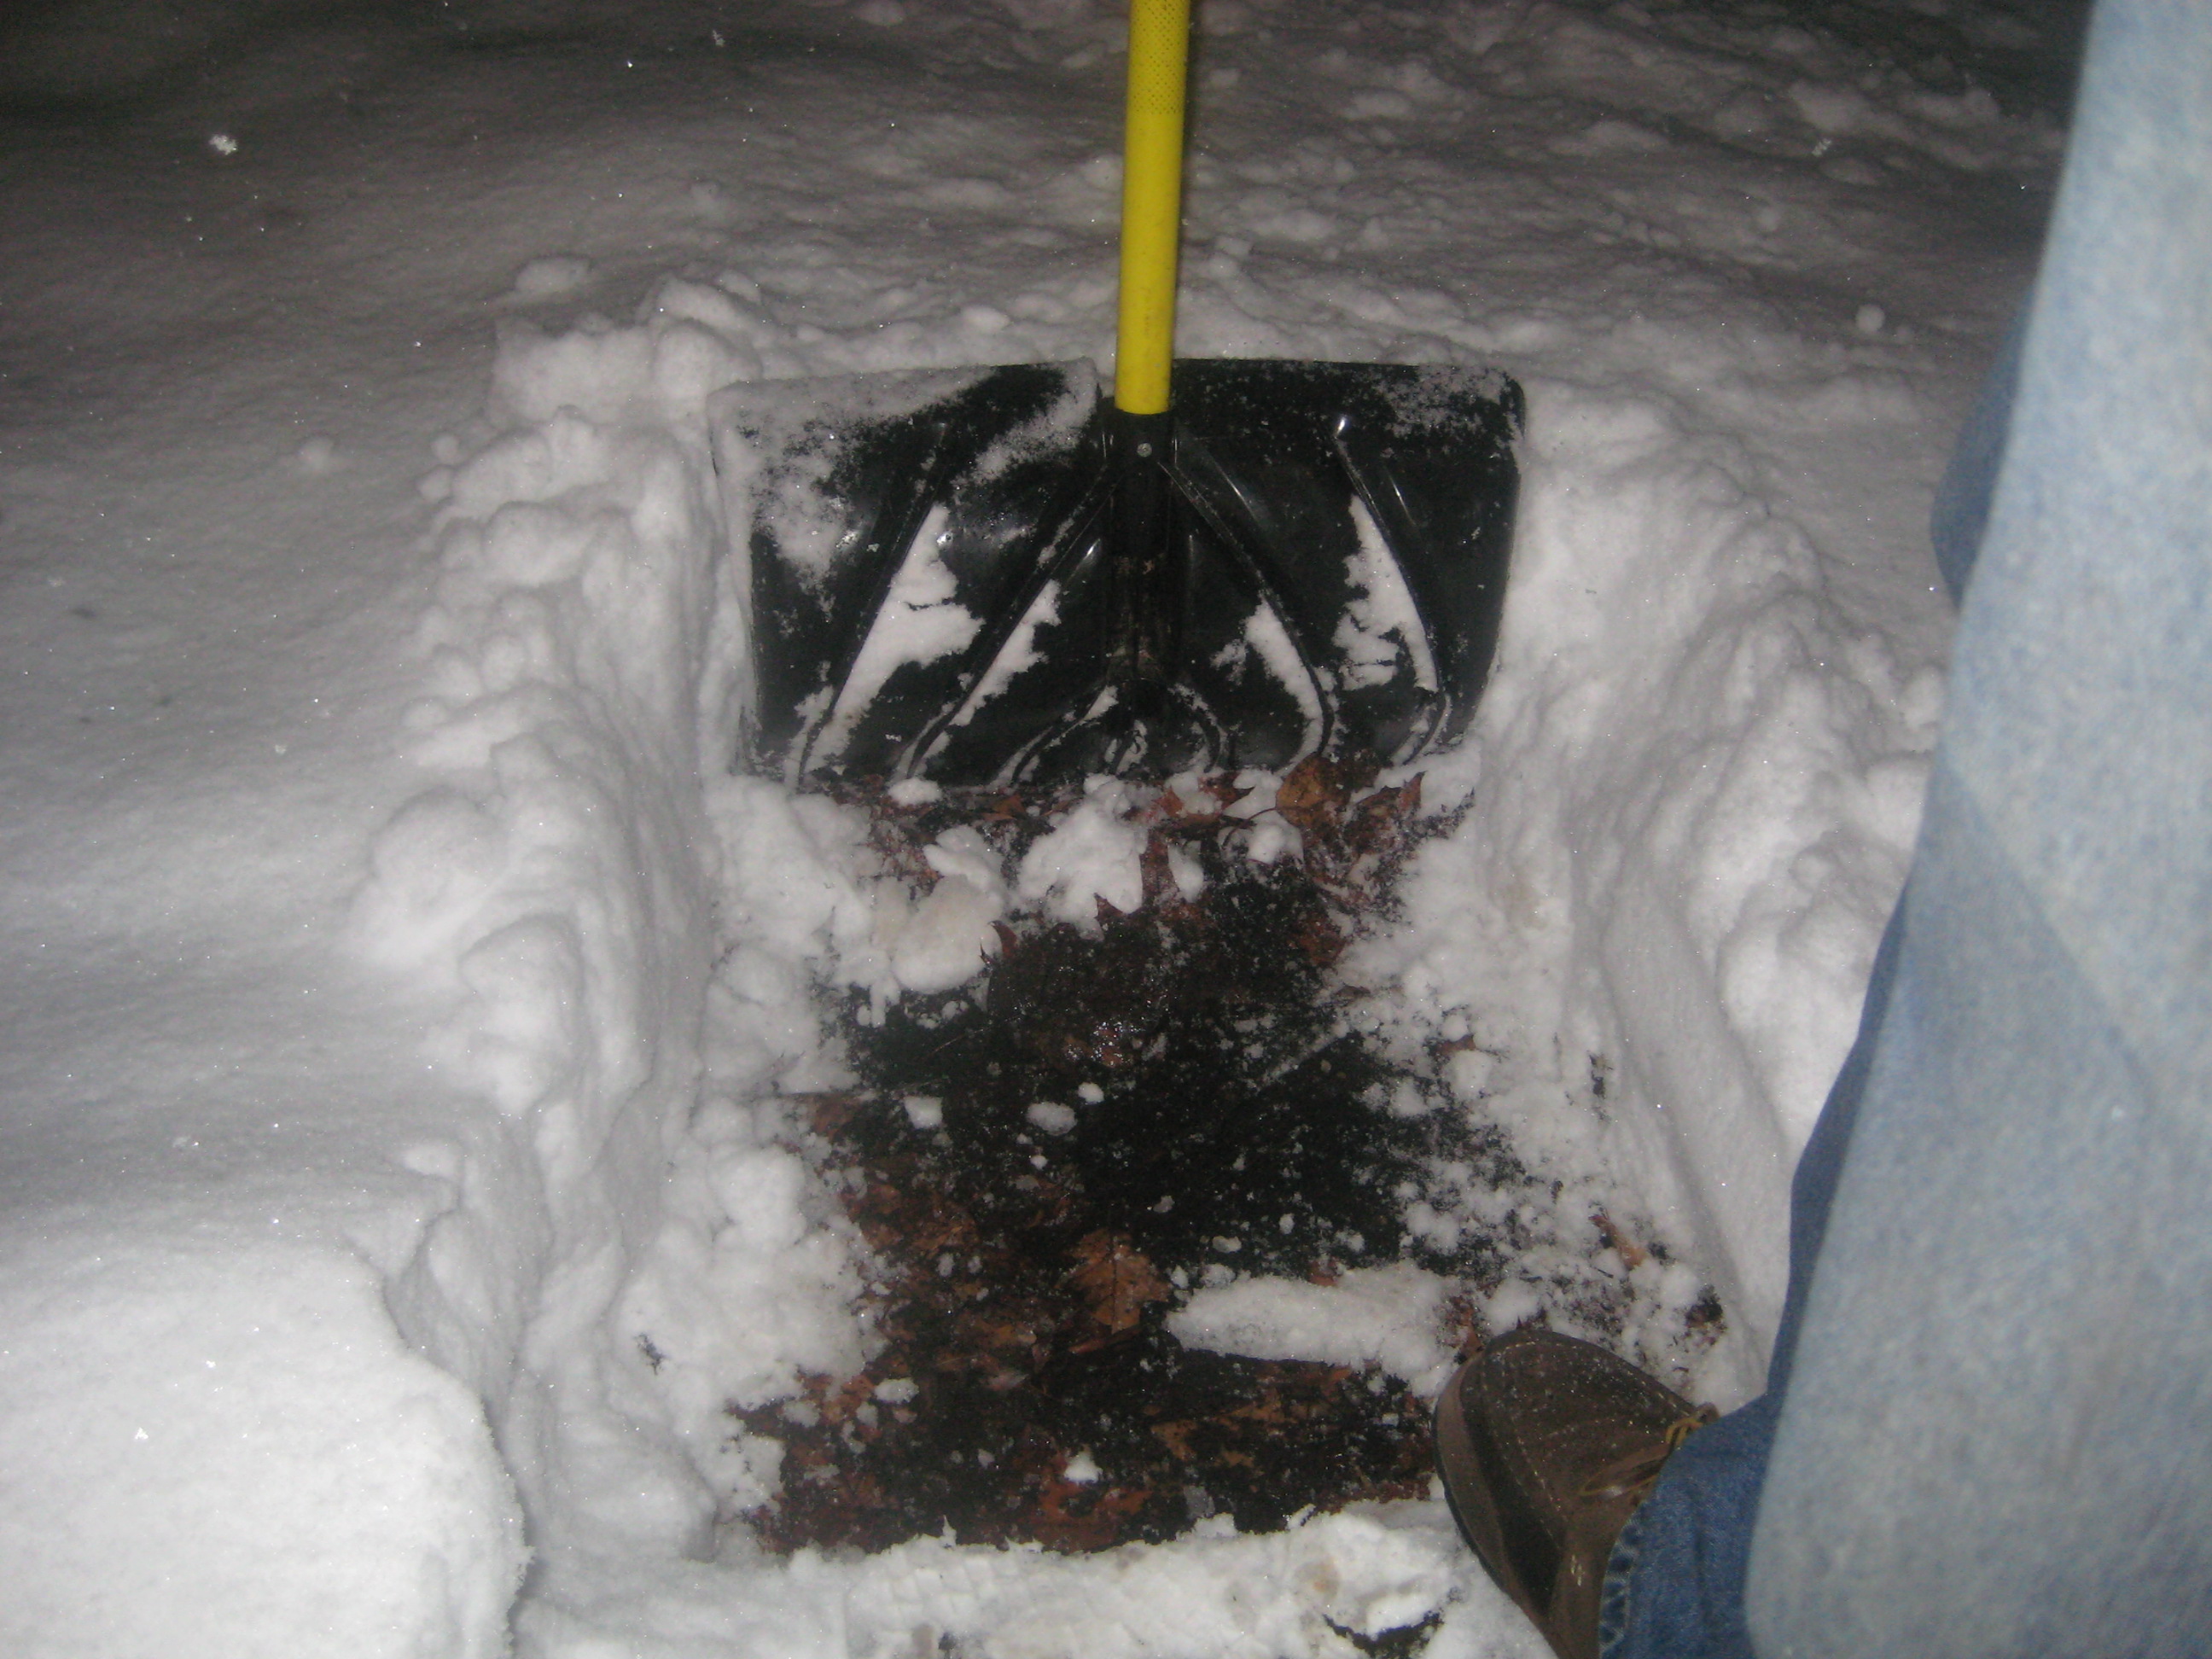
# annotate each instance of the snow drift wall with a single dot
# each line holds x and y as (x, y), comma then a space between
(1694, 786)
(555, 888)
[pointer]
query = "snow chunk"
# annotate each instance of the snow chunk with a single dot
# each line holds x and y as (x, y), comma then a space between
(919, 623)
(317, 457)
(1052, 1117)
(1214, 1591)
(945, 939)
(1382, 622)
(1266, 636)
(551, 278)
(1016, 656)
(1386, 1316)
(924, 1111)
(1096, 853)
(432, 866)
(745, 1289)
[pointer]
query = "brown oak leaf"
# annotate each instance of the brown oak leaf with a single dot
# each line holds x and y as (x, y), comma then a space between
(1117, 1280)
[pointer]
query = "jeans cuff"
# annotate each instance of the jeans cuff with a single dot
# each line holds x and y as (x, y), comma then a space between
(1612, 1593)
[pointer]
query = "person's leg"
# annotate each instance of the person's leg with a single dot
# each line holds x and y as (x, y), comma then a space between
(1997, 1433)
(1674, 1588)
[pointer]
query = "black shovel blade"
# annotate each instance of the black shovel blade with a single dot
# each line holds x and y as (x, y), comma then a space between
(941, 583)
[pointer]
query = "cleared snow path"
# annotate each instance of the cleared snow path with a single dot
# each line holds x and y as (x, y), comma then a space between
(399, 992)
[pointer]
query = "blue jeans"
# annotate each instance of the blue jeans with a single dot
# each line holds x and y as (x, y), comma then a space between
(1987, 1429)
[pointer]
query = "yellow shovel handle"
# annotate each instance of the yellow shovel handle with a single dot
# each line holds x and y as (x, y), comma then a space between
(1152, 203)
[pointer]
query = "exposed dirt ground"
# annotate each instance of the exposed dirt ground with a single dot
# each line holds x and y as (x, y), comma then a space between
(1182, 1095)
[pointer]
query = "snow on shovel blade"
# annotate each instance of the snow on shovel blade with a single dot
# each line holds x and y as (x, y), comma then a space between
(935, 588)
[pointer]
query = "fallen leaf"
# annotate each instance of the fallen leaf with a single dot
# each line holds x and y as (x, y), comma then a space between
(1117, 1280)
(1633, 1254)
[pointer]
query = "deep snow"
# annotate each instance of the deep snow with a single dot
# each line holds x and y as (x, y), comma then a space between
(400, 989)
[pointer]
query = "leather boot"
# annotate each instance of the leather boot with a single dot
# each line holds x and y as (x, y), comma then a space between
(1546, 1444)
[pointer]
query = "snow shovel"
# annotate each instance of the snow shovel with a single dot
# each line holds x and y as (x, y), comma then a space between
(994, 576)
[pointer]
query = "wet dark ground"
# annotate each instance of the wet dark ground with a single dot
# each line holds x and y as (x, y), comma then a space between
(1183, 1094)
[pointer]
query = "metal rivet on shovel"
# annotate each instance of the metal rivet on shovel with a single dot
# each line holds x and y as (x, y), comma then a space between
(996, 575)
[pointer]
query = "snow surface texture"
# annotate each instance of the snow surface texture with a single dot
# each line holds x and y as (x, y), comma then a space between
(401, 993)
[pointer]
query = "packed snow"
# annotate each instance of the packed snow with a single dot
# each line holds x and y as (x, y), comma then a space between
(406, 996)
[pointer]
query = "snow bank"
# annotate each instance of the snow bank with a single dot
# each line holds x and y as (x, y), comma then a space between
(1692, 791)
(1687, 805)
(554, 890)
(243, 1410)
(1307, 1592)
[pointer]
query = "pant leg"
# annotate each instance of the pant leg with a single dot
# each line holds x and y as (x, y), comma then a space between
(1674, 1586)
(1997, 1436)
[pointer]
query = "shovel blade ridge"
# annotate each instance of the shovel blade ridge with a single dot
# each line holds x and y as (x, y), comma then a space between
(929, 568)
